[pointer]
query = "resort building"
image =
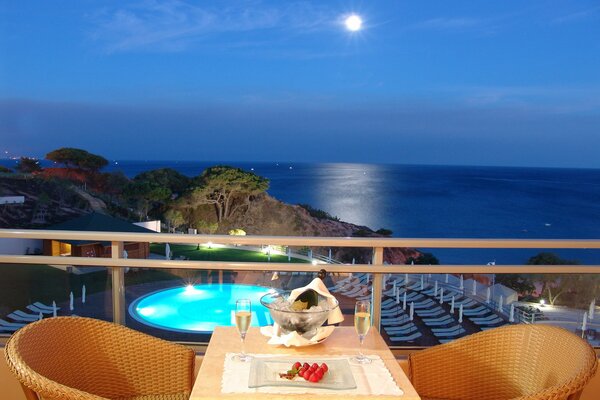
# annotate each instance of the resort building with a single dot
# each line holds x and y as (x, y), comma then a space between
(95, 222)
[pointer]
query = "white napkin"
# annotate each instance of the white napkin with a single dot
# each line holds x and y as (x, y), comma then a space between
(295, 339)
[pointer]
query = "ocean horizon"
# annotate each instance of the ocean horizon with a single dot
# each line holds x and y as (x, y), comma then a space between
(435, 201)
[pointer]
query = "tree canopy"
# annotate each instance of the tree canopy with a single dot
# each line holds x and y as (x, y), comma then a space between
(77, 158)
(145, 194)
(167, 178)
(28, 165)
(554, 285)
(227, 188)
(424, 259)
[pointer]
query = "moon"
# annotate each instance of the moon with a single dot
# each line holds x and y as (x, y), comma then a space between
(353, 23)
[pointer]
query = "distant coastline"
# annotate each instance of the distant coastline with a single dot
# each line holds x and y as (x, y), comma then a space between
(436, 201)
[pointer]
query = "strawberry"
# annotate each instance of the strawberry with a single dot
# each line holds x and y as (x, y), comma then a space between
(314, 366)
(324, 367)
(307, 375)
(314, 378)
(296, 366)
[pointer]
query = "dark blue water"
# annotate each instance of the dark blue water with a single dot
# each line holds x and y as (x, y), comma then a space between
(439, 201)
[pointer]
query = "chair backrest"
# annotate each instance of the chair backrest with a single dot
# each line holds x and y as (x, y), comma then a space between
(84, 358)
(529, 361)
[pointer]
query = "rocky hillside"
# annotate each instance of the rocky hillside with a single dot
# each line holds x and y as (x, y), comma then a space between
(47, 202)
(268, 216)
(50, 201)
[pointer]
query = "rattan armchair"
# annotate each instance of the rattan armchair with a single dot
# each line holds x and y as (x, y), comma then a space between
(83, 358)
(533, 362)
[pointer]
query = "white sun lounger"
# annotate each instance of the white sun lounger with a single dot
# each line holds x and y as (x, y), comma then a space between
(425, 304)
(345, 283)
(409, 338)
(393, 312)
(10, 324)
(475, 311)
(43, 306)
(35, 309)
(467, 303)
(394, 321)
(454, 328)
(406, 326)
(437, 319)
(449, 334)
(439, 322)
(21, 316)
(406, 331)
(484, 319)
(355, 292)
(389, 303)
(6, 329)
(489, 322)
(430, 313)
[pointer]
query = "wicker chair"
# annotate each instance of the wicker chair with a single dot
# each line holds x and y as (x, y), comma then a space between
(532, 362)
(83, 358)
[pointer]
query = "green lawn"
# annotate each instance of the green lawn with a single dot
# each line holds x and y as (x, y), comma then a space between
(220, 254)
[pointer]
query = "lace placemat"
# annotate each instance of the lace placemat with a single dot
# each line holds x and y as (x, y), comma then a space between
(371, 379)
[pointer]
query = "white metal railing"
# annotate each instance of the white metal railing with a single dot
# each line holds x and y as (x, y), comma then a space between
(117, 263)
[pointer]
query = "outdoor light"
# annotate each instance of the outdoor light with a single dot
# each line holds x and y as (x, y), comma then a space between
(209, 244)
(314, 262)
(542, 302)
(146, 311)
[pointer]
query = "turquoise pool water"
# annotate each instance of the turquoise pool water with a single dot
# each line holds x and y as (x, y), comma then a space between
(198, 308)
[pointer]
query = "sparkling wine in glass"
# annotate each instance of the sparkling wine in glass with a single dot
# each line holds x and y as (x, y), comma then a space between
(243, 317)
(362, 323)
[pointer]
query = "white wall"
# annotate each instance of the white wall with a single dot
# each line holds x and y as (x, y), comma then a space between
(19, 246)
(152, 225)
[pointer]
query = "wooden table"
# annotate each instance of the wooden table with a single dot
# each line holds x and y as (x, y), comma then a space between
(342, 341)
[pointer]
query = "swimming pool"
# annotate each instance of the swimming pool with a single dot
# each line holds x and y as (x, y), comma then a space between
(198, 308)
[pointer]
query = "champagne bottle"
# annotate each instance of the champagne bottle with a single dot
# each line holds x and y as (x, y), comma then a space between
(309, 297)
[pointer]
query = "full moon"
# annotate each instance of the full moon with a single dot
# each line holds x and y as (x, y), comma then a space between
(353, 23)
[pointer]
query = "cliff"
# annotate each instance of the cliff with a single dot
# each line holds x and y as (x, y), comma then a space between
(266, 215)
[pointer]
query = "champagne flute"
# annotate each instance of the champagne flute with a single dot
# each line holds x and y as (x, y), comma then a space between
(243, 317)
(362, 323)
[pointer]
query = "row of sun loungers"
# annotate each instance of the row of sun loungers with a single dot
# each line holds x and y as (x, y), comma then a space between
(395, 320)
(443, 325)
(22, 318)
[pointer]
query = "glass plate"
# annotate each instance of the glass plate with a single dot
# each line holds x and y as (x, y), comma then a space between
(265, 372)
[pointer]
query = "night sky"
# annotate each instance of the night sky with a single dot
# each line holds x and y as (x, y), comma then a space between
(437, 82)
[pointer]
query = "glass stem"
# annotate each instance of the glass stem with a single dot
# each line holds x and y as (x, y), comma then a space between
(243, 337)
(361, 339)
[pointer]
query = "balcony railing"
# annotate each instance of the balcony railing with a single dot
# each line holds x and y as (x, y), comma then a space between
(117, 263)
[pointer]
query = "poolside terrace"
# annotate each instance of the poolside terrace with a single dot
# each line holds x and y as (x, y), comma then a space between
(414, 306)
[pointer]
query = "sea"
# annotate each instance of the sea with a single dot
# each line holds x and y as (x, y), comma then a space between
(435, 201)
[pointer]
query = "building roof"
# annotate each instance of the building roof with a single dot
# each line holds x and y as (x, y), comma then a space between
(96, 222)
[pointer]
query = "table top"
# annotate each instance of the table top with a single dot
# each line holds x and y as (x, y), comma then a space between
(342, 341)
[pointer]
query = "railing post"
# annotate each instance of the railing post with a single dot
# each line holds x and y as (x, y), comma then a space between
(118, 285)
(377, 289)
